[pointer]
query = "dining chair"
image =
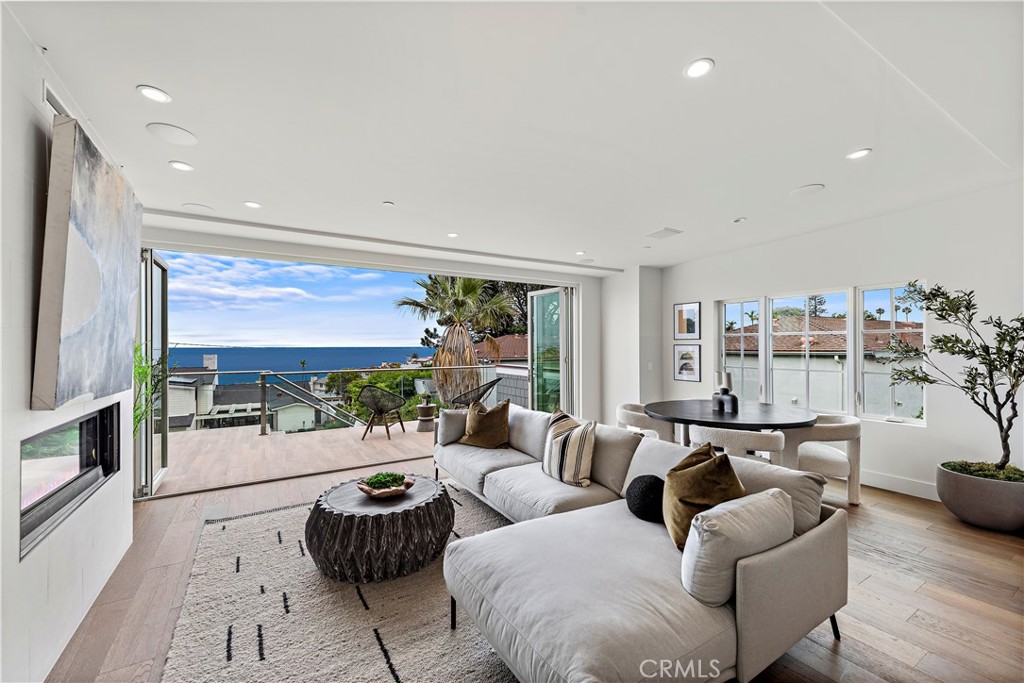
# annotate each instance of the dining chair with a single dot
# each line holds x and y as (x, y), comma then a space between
(740, 443)
(814, 454)
(633, 415)
(381, 403)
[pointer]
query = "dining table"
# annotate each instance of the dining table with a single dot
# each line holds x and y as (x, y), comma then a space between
(751, 416)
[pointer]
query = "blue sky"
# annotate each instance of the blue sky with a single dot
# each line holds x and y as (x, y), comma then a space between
(251, 302)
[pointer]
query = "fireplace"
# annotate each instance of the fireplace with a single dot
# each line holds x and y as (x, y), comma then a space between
(62, 467)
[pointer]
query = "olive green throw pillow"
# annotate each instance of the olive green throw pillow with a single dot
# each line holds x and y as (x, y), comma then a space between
(487, 428)
(701, 481)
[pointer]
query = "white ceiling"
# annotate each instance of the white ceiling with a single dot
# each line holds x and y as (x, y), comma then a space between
(537, 130)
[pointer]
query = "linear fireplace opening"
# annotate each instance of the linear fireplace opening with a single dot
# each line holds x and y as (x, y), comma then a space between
(62, 467)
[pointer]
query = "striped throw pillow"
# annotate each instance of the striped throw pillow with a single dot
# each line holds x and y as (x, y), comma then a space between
(569, 450)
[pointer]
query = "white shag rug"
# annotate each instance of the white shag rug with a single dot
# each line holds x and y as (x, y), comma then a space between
(257, 609)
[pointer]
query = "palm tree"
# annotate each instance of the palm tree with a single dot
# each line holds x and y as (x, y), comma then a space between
(302, 363)
(458, 303)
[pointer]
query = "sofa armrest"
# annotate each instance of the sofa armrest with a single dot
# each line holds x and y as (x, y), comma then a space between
(784, 593)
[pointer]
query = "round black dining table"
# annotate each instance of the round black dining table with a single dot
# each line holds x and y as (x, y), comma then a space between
(752, 416)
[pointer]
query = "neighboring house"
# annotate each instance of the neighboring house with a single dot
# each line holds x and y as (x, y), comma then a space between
(514, 350)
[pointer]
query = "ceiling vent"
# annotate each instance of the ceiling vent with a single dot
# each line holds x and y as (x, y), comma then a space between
(664, 233)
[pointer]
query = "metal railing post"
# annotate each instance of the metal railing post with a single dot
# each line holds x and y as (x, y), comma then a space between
(263, 404)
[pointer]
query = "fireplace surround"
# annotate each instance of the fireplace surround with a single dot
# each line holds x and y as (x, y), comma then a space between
(62, 467)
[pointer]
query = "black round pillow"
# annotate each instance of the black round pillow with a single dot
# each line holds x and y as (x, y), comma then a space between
(643, 498)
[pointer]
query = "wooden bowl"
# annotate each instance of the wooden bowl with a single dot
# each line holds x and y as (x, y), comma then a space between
(385, 493)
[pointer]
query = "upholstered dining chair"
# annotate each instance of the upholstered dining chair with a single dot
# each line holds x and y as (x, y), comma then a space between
(813, 454)
(738, 442)
(633, 415)
(381, 403)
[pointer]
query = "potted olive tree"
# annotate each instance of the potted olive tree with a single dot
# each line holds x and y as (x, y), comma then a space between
(986, 494)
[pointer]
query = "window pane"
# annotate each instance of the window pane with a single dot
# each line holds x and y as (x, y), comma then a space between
(906, 310)
(788, 308)
(751, 316)
(733, 317)
(875, 353)
(789, 387)
(909, 402)
(877, 307)
(877, 395)
(750, 391)
(828, 391)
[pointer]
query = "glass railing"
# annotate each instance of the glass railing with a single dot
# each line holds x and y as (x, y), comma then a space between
(298, 401)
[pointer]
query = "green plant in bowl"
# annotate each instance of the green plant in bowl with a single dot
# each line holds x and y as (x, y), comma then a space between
(385, 480)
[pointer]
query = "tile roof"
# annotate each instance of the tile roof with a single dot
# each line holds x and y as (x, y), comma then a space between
(789, 335)
(513, 347)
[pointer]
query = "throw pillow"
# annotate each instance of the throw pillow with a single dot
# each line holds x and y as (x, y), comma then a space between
(451, 426)
(487, 428)
(805, 488)
(569, 451)
(701, 481)
(725, 534)
(643, 498)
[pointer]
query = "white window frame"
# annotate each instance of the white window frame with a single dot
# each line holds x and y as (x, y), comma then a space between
(848, 370)
(859, 397)
(762, 383)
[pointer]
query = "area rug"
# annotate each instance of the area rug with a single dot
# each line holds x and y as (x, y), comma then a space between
(257, 609)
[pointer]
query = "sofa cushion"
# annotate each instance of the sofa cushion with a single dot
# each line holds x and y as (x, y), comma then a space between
(805, 488)
(525, 492)
(586, 596)
(528, 430)
(643, 498)
(487, 427)
(701, 481)
(654, 457)
(451, 426)
(613, 450)
(725, 534)
(569, 450)
(470, 464)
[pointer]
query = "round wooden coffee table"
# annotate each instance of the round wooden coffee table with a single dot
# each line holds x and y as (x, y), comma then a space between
(352, 537)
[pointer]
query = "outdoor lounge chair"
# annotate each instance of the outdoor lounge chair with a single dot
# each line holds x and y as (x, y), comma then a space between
(477, 394)
(380, 403)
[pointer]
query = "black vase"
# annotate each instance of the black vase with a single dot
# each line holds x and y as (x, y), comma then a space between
(725, 402)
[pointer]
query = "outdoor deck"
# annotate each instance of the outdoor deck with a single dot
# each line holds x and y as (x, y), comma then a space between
(211, 458)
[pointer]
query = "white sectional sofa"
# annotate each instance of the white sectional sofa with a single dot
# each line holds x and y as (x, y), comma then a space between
(584, 591)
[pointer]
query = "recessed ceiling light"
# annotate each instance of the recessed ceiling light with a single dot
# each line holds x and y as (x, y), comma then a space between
(192, 206)
(739, 219)
(181, 166)
(859, 154)
(388, 203)
(453, 234)
(700, 67)
(252, 204)
(580, 253)
(172, 134)
(152, 93)
(807, 189)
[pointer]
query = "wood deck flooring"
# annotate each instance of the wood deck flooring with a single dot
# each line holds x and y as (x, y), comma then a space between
(931, 599)
(210, 458)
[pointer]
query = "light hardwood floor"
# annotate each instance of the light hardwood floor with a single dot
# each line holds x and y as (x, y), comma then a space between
(931, 599)
(208, 458)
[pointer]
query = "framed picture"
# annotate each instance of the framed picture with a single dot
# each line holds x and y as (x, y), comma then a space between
(687, 320)
(686, 362)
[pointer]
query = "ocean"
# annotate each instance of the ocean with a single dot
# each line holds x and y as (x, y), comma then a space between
(286, 358)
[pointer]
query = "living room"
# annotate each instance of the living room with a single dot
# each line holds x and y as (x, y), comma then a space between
(556, 143)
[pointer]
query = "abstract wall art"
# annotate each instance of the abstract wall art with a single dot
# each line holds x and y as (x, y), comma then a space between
(90, 275)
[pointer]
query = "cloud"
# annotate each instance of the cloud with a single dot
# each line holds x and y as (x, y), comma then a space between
(366, 275)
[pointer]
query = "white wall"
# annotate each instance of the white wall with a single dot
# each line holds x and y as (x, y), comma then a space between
(44, 596)
(974, 241)
(631, 327)
(294, 417)
(589, 353)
